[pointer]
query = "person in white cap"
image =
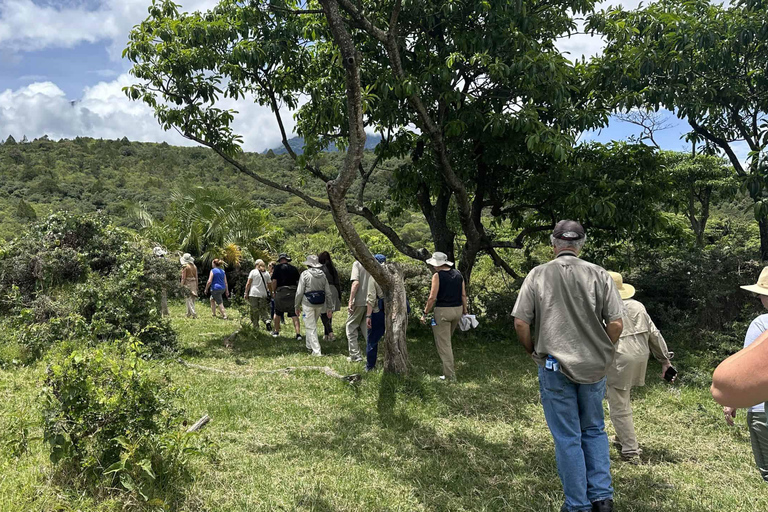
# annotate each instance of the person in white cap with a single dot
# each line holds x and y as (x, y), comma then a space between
(639, 338)
(189, 281)
(313, 297)
(448, 295)
(756, 418)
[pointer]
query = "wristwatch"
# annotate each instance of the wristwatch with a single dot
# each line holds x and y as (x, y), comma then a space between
(367, 316)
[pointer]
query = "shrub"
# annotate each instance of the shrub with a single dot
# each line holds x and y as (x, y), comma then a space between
(108, 420)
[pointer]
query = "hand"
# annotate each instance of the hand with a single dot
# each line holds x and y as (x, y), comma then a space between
(730, 413)
(664, 367)
(423, 319)
(227, 293)
(330, 315)
(351, 309)
(368, 323)
(298, 313)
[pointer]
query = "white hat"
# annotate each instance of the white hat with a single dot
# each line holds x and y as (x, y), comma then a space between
(312, 261)
(186, 259)
(761, 287)
(439, 259)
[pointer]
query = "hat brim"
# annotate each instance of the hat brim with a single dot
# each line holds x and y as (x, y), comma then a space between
(435, 263)
(185, 261)
(627, 291)
(754, 288)
(313, 265)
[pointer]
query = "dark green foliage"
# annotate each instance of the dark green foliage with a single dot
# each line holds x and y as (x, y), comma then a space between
(109, 422)
(77, 277)
(25, 211)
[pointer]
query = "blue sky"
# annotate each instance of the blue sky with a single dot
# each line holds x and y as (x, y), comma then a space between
(61, 74)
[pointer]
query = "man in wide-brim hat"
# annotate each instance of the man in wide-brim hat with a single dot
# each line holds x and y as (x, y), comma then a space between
(639, 338)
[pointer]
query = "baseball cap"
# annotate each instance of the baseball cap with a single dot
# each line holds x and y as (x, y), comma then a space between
(568, 230)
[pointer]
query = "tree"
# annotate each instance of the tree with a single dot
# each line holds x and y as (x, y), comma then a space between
(25, 211)
(10, 141)
(705, 62)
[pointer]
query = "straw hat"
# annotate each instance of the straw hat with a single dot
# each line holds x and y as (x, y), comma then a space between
(439, 259)
(627, 291)
(762, 284)
(312, 261)
(186, 259)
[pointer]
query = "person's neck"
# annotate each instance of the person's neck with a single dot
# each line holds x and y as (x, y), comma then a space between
(566, 252)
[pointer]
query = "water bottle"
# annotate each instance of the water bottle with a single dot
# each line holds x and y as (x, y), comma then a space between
(433, 323)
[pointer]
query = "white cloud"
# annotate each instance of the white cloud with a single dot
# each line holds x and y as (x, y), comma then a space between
(26, 25)
(103, 111)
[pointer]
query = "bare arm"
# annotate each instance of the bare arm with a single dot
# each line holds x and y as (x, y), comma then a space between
(247, 288)
(352, 293)
(226, 285)
(210, 280)
(433, 294)
(741, 380)
(614, 330)
(464, 297)
(523, 330)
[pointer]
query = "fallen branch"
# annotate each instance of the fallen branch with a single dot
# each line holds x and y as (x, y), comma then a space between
(200, 424)
(355, 377)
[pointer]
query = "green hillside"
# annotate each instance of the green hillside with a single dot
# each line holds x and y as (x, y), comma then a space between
(85, 175)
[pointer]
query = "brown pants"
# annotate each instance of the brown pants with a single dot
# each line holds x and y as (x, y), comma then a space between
(446, 321)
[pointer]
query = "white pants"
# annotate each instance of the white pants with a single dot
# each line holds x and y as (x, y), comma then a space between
(191, 306)
(356, 321)
(311, 316)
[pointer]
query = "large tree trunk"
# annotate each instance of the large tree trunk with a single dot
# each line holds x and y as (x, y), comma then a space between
(763, 223)
(389, 278)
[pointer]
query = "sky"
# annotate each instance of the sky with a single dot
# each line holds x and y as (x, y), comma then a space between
(61, 75)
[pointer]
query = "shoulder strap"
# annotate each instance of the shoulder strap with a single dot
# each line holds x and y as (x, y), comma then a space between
(261, 274)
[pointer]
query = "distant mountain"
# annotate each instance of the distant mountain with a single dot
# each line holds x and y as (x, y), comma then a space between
(297, 145)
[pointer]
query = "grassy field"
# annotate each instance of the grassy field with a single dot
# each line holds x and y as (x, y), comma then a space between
(304, 441)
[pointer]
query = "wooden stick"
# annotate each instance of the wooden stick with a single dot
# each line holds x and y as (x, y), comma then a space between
(200, 424)
(327, 370)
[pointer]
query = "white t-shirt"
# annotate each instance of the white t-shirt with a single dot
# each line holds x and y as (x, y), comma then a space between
(257, 285)
(758, 326)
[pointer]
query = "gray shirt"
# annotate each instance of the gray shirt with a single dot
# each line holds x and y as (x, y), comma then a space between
(362, 276)
(313, 280)
(570, 301)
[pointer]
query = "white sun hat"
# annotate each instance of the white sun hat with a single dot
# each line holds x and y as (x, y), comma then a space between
(186, 259)
(439, 259)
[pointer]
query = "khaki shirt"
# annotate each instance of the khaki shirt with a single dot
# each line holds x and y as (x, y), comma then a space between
(362, 276)
(373, 295)
(639, 338)
(571, 301)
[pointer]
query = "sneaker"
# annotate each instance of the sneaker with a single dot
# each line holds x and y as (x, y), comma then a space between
(298, 337)
(269, 326)
(355, 360)
(442, 377)
(367, 369)
(603, 506)
(275, 334)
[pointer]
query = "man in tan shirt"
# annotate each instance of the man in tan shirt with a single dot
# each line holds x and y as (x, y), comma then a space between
(578, 319)
(639, 338)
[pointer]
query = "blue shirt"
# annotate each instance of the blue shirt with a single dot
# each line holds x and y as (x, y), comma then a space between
(218, 279)
(758, 326)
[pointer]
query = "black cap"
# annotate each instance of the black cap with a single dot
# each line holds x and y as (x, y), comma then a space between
(568, 230)
(283, 256)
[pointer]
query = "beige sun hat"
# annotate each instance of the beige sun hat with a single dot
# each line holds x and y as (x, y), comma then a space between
(627, 291)
(762, 284)
(312, 261)
(439, 259)
(186, 259)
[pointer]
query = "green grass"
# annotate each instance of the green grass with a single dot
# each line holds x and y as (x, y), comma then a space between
(304, 441)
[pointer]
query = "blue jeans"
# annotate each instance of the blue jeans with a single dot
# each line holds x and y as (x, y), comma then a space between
(574, 414)
(374, 335)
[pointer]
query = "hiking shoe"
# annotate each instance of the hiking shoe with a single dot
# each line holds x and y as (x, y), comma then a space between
(603, 506)
(298, 337)
(269, 326)
(275, 334)
(355, 360)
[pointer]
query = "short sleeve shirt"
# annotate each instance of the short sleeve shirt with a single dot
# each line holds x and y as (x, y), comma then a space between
(756, 328)
(570, 300)
(362, 276)
(257, 283)
(285, 274)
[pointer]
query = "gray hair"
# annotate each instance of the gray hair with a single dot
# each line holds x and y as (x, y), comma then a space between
(259, 263)
(561, 245)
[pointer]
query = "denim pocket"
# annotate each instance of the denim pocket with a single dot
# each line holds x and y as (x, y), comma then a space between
(552, 382)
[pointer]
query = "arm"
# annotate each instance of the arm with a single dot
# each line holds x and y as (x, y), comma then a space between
(463, 297)
(352, 293)
(328, 299)
(226, 286)
(741, 380)
(523, 330)
(658, 347)
(183, 275)
(432, 295)
(299, 295)
(247, 287)
(210, 280)
(613, 329)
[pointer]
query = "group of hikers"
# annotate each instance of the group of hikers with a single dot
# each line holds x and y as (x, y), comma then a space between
(593, 341)
(279, 290)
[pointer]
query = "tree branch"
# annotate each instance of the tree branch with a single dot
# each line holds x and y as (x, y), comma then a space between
(720, 142)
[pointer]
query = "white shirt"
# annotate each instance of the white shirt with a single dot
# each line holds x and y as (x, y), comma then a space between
(257, 285)
(756, 328)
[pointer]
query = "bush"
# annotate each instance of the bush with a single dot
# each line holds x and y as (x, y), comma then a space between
(108, 420)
